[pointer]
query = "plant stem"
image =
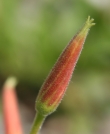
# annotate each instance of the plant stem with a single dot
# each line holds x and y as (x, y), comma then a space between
(37, 124)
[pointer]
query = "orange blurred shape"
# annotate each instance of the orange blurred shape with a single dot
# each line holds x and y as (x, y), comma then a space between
(12, 121)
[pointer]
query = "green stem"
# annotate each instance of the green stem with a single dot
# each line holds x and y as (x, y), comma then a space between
(37, 124)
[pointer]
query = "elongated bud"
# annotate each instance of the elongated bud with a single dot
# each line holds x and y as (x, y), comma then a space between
(53, 89)
(10, 108)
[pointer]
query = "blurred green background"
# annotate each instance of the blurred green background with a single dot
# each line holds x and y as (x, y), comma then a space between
(32, 35)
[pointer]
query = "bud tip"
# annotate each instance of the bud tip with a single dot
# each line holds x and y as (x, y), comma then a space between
(89, 22)
(11, 82)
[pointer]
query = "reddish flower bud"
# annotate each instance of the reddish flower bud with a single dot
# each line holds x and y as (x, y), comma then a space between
(53, 89)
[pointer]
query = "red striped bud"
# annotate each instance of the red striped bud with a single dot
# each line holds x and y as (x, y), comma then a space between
(54, 87)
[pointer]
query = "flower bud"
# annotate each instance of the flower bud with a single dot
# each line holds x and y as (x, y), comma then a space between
(54, 87)
(10, 108)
